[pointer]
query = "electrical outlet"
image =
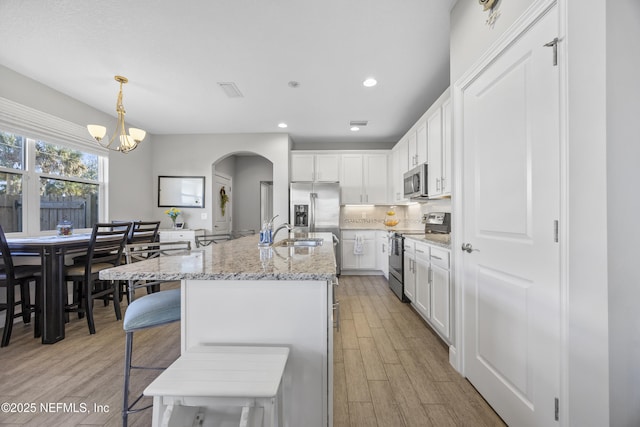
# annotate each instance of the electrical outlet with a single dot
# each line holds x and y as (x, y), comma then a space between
(364, 215)
(203, 215)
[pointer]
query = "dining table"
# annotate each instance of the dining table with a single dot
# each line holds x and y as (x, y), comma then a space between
(52, 251)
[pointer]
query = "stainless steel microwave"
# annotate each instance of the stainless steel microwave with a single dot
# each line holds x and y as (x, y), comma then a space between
(415, 182)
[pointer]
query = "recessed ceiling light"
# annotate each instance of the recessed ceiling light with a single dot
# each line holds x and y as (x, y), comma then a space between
(282, 125)
(370, 82)
(355, 128)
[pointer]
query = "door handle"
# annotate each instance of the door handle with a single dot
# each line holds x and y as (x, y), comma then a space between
(468, 248)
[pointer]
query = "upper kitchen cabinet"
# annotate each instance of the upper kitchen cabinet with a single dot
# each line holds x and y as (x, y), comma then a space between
(313, 167)
(439, 146)
(417, 144)
(399, 166)
(364, 179)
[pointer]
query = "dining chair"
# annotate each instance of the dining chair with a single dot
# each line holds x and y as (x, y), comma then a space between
(12, 276)
(136, 252)
(105, 250)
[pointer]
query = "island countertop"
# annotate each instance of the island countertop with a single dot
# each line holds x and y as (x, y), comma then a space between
(239, 259)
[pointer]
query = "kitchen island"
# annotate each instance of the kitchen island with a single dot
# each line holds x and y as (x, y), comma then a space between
(238, 293)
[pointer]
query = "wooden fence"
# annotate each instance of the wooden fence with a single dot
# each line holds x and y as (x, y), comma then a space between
(81, 211)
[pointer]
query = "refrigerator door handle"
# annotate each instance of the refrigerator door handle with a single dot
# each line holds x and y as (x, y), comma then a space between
(312, 213)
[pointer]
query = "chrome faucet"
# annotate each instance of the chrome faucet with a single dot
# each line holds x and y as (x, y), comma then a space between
(285, 225)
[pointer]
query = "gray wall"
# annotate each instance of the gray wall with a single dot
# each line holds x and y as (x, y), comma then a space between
(250, 170)
(623, 225)
(197, 154)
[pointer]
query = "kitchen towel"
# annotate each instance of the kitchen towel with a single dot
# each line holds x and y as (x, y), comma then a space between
(358, 245)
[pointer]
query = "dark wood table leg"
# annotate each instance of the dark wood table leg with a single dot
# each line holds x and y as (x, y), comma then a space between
(53, 295)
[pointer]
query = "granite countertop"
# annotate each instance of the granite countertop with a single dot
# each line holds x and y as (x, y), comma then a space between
(442, 240)
(239, 259)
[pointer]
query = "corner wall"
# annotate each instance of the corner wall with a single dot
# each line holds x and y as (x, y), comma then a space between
(623, 201)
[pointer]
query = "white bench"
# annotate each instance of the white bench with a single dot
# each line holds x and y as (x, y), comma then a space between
(208, 383)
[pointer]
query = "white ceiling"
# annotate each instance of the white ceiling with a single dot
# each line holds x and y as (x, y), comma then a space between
(174, 54)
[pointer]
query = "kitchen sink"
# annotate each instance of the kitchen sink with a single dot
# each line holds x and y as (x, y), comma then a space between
(299, 241)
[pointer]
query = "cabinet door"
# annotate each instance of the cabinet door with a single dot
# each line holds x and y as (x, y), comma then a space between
(382, 253)
(447, 132)
(400, 166)
(412, 149)
(375, 178)
(441, 299)
(351, 178)
(349, 260)
(435, 153)
(422, 302)
(409, 272)
(421, 143)
(327, 168)
(302, 167)
(367, 260)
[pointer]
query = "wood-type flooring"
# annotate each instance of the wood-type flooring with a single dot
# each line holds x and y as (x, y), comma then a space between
(390, 369)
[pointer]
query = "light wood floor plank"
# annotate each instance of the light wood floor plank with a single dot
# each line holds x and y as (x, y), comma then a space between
(384, 404)
(340, 399)
(356, 378)
(362, 414)
(373, 365)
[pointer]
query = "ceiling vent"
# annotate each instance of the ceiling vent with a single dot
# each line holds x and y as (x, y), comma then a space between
(358, 123)
(231, 89)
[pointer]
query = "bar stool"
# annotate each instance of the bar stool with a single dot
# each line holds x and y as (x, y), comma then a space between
(149, 311)
(207, 378)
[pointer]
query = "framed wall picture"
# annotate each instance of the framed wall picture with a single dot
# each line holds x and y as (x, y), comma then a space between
(181, 191)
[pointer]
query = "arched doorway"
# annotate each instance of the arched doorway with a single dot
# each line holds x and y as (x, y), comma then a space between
(245, 171)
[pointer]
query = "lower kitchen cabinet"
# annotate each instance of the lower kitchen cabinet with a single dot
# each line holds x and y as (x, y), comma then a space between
(382, 252)
(422, 300)
(409, 270)
(441, 291)
(366, 260)
(427, 283)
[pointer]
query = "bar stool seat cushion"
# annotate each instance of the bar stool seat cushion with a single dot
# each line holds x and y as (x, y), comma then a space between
(153, 310)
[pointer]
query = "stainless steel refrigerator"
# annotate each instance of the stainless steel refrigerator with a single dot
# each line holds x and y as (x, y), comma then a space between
(316, 207)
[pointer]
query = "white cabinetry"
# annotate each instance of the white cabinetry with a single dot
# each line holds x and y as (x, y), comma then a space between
(399, 166)
(409, 270)
(366, 260)
(364, 178)
(440, 291)
(178, 235)
(439, 146)
(422, 300)
(313, 167)
(427, 283)
(382, 252)
(417, 144)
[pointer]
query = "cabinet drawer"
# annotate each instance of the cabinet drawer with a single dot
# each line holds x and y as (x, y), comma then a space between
(422, 251)
(440, 257)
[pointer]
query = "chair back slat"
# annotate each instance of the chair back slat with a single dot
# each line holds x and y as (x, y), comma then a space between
(107, 243)
(144, 232)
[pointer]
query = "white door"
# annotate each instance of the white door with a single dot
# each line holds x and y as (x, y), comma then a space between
(221, 217)
(511, 202)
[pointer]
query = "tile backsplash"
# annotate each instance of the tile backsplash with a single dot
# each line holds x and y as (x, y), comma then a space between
(372, 217)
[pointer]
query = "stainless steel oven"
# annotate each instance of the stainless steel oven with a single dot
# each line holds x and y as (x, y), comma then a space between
(396, 261)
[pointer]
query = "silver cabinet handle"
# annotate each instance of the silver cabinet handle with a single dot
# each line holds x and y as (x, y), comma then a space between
(420, 250)
(436, 257)
(468, 248)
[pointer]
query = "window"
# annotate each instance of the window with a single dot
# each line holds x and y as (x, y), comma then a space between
(66, 185)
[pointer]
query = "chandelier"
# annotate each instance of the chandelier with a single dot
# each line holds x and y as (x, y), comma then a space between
(125, 142)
